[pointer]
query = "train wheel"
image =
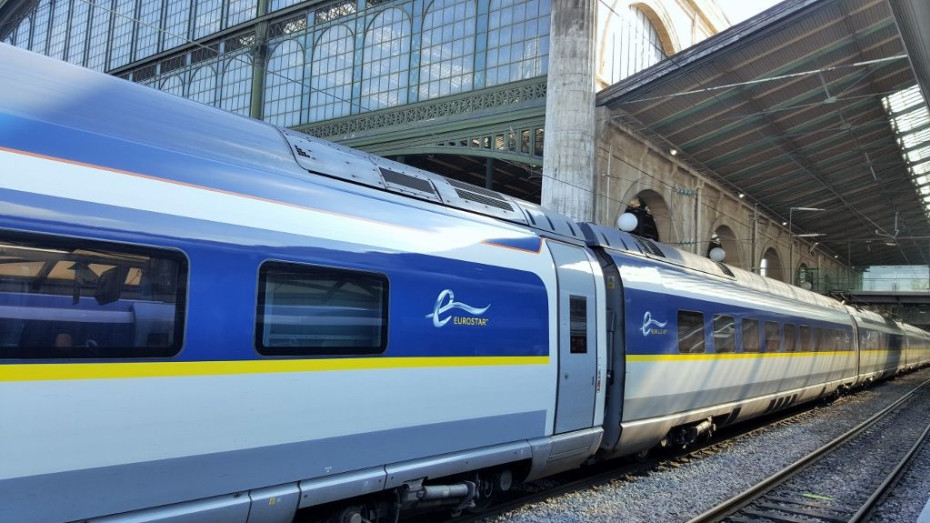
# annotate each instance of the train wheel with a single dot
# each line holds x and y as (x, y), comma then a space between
(353, 514)
(489, 487)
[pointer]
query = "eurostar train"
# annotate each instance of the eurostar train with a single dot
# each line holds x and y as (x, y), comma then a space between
(205, 317)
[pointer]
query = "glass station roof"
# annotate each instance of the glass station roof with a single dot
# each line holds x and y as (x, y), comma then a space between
(910, 120)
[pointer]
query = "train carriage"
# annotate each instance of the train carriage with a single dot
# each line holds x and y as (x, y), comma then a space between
(707, 344)
(881, 345)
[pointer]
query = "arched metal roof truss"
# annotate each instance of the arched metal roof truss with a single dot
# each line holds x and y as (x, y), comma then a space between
(812, 103)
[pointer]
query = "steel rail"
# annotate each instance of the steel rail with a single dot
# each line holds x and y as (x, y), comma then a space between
(610, 470)
(871, 504)
(755, 492)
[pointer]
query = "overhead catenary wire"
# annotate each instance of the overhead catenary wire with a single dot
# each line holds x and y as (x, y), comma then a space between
(303, 82)
(214, 51)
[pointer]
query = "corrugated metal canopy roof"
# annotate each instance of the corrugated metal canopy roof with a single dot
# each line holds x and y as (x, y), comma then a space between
(792, 108)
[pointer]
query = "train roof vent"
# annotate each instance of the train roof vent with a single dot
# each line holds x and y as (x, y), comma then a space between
(408, 184)
(726, 270)
(469, 197)
(482, 199)
(474, 193)
(648, 246)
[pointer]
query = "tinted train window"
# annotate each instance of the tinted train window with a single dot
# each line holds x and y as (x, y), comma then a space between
(750, 335)
(805, 338)
(771, 336)
(66, 298)
(578, 313)
(791, 338)
(817, 340)
(690, 332)
(724, 333)
(307, 310)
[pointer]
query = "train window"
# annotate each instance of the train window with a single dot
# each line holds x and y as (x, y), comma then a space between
(67, 298)
(771, 336)
(724, 333)
(307, 310)
(750, 335)
(578, 312)
(805, 332)
(791, 338)
(690, 332)
(817, 341)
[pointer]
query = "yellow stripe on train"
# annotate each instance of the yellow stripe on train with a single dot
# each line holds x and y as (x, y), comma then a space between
(122, 370)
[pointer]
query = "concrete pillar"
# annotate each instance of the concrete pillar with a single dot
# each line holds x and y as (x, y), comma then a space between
(568, 166)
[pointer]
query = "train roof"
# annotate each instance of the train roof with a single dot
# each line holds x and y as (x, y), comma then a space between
(40, 89)
(597, 235)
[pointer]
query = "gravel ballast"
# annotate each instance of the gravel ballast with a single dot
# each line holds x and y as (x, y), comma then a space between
(683, 491)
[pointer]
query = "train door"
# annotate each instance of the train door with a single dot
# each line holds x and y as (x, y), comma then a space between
(577, 381)
(855, 346)
(616, 352)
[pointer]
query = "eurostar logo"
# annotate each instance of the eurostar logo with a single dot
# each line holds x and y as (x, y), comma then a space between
(445, 302)
(649, 325)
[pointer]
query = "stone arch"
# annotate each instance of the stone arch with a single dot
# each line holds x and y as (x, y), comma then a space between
(622, 30)
(727, 240)
(662, 22)
(771, 264)
(655, 206)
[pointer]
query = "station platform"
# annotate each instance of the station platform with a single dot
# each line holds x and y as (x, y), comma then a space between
(924, 516)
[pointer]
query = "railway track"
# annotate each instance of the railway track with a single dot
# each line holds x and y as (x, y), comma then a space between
(603, 473)
(831, 484)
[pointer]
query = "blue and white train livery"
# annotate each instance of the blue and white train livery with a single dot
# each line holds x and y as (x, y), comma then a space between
(205, 317)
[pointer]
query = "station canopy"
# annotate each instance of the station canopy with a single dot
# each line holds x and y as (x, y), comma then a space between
(815, 104)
